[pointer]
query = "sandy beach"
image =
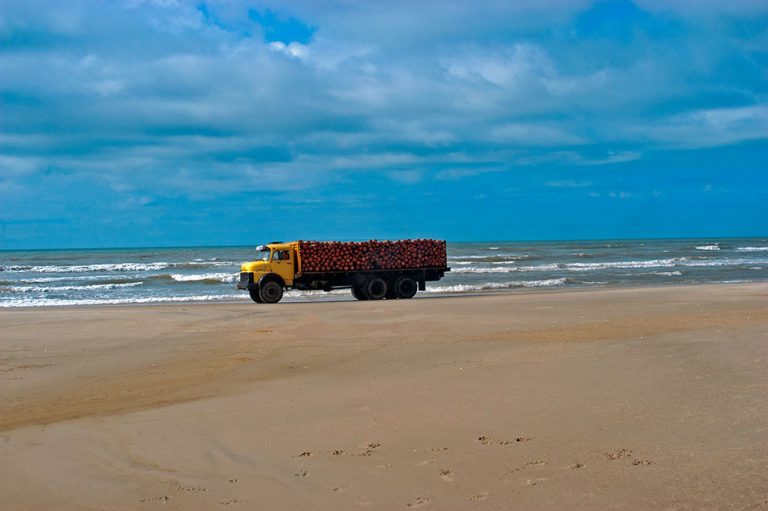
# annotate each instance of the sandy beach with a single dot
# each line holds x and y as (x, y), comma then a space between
(649, 398)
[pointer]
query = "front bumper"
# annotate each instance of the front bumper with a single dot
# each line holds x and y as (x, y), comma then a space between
(246, 279)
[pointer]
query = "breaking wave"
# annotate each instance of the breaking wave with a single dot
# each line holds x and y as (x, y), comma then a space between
(214, 278)
(654, 263)
(468, 288)
(621, 265)
(124, 267)
(495, 258)
(709, 247)
(37, 302)
(54, 289)
(105, 279)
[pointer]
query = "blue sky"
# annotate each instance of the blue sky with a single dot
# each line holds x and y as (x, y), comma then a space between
(161, 123)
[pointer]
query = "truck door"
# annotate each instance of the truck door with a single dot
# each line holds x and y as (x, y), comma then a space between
(282, 264)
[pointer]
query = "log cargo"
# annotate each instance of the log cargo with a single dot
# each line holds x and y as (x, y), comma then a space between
(337, 256)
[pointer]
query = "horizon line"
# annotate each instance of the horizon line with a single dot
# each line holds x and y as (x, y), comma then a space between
(170, 247)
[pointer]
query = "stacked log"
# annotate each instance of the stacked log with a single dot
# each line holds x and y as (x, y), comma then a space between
(334, 256)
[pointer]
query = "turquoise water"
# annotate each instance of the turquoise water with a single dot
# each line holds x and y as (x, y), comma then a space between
(156, 275)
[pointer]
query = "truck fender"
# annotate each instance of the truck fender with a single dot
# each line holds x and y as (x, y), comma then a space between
(269, 277)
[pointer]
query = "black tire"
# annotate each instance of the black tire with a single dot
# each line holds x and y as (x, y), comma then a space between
(376, 288)
(358, 293)
(270, 291)
(405, 287)
(254, 292)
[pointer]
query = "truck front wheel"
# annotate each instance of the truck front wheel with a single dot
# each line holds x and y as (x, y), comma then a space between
(254, 292)
(376, 289)
(271, 292)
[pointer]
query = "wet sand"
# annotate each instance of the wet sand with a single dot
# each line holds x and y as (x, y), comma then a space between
(591, 399)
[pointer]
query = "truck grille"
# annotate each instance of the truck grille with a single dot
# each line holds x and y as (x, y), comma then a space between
(245, 277)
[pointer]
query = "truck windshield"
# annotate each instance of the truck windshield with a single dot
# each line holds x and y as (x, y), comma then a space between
(263, 256)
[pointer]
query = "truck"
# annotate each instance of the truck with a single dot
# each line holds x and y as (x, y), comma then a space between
(373, 269)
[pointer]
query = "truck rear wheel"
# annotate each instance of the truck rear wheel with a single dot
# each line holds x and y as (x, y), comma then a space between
(405, 287)
(271, 292)
(376, 289)
(358, 293)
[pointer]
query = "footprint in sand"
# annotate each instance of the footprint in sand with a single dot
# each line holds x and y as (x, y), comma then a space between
(641, 462)
(575, 466)
(525, 466)
(163, 498)
(447, 476)
(232, 501)
(369, 450)
(478, 497)
(301, 473)
(618, 454)
(418, 502)
(516, 440)
(194, 489)
(486, 440)
(425, 462)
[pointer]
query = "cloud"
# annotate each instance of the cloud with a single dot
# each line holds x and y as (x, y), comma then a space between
(293, 49)
(708, 127)
(165, 98)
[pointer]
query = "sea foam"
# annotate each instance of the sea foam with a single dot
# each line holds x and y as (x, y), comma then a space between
(575, 267)
(466, 288)
(206, 277)
(37, 302)
(124, 267)
(59, 289)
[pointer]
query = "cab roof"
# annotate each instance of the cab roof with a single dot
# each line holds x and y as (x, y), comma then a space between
(276, 245)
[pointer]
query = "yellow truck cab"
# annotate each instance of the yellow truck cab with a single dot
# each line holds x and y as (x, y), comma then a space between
(275, 269)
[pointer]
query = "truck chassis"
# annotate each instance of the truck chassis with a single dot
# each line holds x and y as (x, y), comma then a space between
(365, 285)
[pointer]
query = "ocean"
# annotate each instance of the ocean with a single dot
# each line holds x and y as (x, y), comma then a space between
(155, 275)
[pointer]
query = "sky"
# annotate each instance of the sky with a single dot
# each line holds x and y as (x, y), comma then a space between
(174, 123)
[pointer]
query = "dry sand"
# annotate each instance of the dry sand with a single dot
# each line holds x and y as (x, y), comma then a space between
(593, 399)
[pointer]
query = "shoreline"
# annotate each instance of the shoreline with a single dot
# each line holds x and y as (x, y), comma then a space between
(320, 296)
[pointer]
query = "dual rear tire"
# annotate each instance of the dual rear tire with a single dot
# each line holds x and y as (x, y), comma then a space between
(405, 287)
(378, 288)
(375, 288)
(359, 293)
